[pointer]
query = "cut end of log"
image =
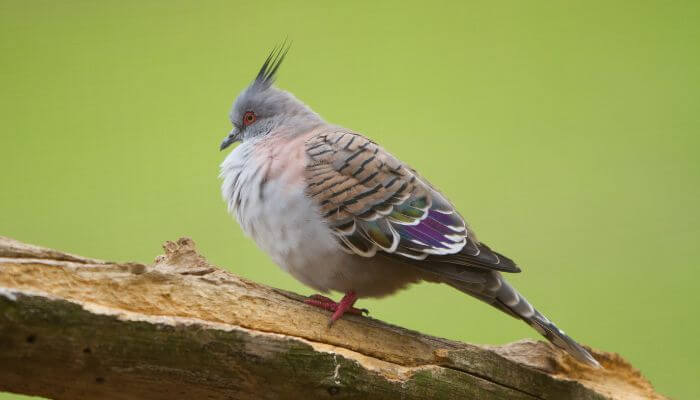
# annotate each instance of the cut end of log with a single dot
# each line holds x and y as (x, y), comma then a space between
(182, 327)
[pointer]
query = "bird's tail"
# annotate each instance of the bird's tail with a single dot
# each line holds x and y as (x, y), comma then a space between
(500, 294)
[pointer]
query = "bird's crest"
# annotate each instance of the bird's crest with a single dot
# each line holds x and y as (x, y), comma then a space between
(268, 71)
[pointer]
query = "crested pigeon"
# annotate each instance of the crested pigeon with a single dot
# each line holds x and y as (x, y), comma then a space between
(340, 213)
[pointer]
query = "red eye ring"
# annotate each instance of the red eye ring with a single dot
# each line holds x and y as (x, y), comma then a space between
(248, 118)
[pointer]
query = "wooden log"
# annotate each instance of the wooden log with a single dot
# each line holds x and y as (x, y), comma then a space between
(78, 328)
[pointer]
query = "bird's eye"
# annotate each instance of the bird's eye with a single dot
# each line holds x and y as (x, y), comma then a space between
(248, 118)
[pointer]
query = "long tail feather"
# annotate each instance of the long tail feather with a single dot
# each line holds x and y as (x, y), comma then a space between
(500, 294)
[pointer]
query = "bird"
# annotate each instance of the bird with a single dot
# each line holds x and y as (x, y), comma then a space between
(340, 213)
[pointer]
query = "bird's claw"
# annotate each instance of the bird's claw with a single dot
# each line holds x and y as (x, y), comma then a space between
(338, 308)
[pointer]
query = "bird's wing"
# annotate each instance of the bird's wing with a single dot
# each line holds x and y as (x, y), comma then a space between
(374, 203)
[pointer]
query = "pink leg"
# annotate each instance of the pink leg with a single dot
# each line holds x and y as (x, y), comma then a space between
(340, 308)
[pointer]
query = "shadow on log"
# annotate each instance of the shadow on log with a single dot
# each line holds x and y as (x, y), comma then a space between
(79, 328)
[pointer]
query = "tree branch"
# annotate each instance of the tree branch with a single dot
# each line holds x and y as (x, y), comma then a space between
(78, 328)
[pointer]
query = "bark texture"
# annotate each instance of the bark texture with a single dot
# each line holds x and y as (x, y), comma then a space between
(79, 328)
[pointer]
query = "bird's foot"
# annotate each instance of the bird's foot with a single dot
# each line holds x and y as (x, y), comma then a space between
(345, 305)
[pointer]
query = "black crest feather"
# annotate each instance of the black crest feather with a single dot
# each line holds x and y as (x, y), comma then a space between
(268, 71)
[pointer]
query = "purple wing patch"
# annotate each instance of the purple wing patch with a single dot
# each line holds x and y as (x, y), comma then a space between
(430, 231)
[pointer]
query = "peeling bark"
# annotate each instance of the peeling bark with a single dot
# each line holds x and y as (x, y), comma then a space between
(78, 328)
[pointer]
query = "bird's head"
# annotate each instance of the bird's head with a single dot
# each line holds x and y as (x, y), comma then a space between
(261, 107)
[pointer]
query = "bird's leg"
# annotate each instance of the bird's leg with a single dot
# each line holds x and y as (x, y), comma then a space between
(339, 308)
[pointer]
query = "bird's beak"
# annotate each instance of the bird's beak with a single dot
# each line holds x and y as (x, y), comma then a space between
(232, 138)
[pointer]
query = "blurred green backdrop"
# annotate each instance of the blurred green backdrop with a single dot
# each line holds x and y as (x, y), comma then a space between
(567, 133)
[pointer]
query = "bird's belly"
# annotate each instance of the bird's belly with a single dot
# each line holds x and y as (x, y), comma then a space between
(289, 229)
(285, 224)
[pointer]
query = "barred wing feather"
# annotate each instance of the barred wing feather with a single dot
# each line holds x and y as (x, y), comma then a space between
(374, 203)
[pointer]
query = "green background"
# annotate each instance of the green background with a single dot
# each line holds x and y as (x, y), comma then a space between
(566, 132)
